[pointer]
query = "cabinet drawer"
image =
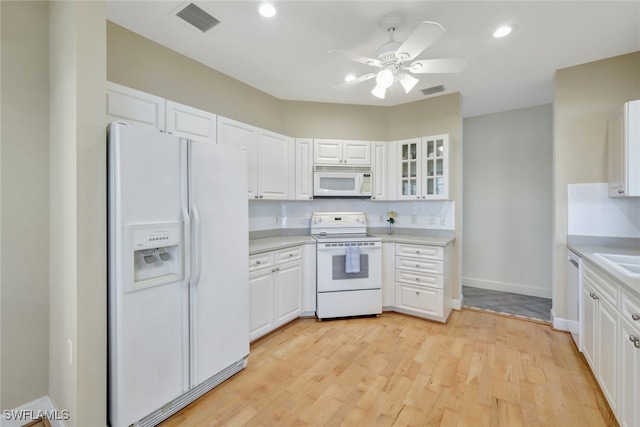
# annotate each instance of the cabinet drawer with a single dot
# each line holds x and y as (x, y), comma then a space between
(428, 301)
(420, 265)
(289, 254)
(419, 279)
(420, 251)
(630, 309)
(608, 289)
(262, 260)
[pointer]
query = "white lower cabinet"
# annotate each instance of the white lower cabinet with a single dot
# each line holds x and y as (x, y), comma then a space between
(611, 342)
(275, 289)
(423, 281)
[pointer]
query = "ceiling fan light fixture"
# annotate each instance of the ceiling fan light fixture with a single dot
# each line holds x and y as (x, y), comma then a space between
(385, 77)
(379, 91)
(349, 78)
(408, 82)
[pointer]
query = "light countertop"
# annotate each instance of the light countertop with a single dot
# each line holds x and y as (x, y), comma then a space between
(273, 243)
(587, 251)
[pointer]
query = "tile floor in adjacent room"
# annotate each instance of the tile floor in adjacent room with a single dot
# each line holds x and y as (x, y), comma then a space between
(508, 303)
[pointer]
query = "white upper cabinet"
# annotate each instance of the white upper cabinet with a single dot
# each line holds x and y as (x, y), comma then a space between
(135, 107)
(624, 151)
(423, 168)
(142, 109)
(303, 160)
(380, 170)
(189, 122)
(270, 158)
(242, 135)
(341, 152)
(275, 166)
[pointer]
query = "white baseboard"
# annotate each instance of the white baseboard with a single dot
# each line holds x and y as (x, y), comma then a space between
(566, 325)
(533, 291)
(41, 407)
(457, 304)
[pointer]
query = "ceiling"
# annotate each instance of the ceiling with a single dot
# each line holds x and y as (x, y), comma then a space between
(287, 56)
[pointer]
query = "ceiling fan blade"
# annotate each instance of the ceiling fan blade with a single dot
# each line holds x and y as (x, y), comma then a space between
(421, 38)
(357, 57)
(355, 81)
(437, 66)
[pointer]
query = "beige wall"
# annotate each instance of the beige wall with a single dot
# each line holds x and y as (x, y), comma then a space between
(508, 201)
(585, 96)
(137, 62)
(24, 174)
(78, 210)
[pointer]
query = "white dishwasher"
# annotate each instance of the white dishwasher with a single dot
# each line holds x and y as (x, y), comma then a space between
(574, 296)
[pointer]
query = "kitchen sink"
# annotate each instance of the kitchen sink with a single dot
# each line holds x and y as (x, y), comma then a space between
(627, 264)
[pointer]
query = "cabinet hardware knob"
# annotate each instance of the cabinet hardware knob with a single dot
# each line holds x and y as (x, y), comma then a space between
(417, 293)
(417, 279)
(635, 316)
(290, 254)
(417, 265)
(261, 196)
(277, 268)
(417, 252)
(620, 191)
(633, 338)
(255, 197)
(257, 262)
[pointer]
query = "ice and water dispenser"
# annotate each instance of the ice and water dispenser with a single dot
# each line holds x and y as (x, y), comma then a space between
(153, 254)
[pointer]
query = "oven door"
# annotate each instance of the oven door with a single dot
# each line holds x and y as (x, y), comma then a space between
(332, 268)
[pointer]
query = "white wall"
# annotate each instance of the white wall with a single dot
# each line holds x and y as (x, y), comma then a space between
(508, 201)
(591, 212)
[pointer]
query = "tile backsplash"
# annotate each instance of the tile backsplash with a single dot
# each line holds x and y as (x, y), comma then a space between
(268, 215)
(593, 213)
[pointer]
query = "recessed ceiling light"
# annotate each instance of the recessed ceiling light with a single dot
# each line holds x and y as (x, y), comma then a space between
(349, 78)
(502, 31)
(267, 10)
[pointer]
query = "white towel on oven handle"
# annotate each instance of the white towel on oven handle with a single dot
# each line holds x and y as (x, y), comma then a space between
(352, 260)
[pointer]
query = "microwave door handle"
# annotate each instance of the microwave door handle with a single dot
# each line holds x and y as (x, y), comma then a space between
(359, 183)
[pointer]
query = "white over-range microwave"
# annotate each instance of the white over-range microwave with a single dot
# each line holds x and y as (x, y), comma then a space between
(342, 181)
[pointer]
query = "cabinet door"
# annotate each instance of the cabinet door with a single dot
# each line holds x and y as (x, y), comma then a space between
(241, 135)
(629, 402)
(435, 167)
(288, 292)
(409, 155)
(260, 302)
(589, 312)
(379, 169)
(355, 153)
(134, 107)
(309, 282)
(422, 300)
(273, 166)
(607, 351)
(327, 151)
(303, 169)
(189, 122)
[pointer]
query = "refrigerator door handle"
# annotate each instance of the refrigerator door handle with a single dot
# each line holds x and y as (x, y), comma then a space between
(187, 232)
(196, 246)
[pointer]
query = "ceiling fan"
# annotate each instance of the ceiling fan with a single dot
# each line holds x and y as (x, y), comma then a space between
(397, 60)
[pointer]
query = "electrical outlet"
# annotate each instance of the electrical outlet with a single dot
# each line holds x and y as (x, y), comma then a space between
(70, 351)
(277, 220)
(381, 218)
(443, 220)
(413, 219)
(432, 220)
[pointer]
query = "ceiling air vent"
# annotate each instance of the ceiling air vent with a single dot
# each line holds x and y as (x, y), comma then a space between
(433, 89)
(197, 17)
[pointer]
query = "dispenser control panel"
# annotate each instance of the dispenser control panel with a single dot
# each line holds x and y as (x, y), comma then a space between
(156, 237)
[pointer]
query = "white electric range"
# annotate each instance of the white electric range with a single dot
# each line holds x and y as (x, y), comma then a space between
(348, 272)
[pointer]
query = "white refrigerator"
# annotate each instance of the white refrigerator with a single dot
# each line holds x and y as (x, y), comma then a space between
(178, 279)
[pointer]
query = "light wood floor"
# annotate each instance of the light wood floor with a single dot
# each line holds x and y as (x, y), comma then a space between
(478, 370)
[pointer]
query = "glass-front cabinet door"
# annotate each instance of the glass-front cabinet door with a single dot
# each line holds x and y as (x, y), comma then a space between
(436, 161)
(409, 155)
